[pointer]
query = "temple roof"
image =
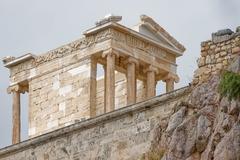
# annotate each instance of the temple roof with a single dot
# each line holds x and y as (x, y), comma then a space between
(156, 29)
(147, 29)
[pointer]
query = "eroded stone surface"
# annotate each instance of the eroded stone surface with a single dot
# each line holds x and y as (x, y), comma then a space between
(210, 130)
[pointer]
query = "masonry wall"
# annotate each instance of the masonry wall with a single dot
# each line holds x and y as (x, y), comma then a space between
(62, 97)
(216, 54)
(59, 98)
(126, 134)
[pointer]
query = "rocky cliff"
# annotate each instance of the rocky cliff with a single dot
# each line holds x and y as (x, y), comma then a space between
(205, 126)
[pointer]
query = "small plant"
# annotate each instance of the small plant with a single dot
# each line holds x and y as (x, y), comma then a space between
(230, 85)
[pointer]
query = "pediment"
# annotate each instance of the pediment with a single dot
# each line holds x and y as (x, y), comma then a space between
(153, 35)
(148, 27)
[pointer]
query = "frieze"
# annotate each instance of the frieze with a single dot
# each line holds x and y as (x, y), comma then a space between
(137, 43)
(20, 67)
(93, 39)
(74, 46)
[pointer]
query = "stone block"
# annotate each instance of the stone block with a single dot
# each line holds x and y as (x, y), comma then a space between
(52, 124)
(62, 106)
(80, 69)
(236, 50)
(222, 35)
(235, 65)
(218, 49)
(201, 61)
(32, 131)
(208, 59)
(223, 53)
(204, 54)
(32, 73)
(219, 66)
(65, 90)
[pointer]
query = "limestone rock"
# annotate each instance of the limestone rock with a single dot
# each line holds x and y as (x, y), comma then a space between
(176, 119)
(203, 132)
(209, 129)
(229, 147)
(235, 65)
(234, 108)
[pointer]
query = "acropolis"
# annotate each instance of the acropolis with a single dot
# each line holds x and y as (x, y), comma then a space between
(95, 97)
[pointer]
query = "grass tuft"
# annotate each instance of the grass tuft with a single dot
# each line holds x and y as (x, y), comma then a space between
(230, 85)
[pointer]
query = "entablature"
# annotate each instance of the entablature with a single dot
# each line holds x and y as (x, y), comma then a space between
(109, 35)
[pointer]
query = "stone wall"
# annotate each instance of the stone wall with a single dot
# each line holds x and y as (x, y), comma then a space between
(59, 92)
(61, 98)
(55, 98)
(216, 54)
(125, 133)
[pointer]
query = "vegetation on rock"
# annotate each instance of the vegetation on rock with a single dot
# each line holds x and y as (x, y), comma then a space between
(230, 85)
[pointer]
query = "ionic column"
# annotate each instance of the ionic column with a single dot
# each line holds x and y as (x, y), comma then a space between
(151, 81)
(16, 113)
(110, 80)
(16, 118)
(131, 81)
(169, 85)
(169, 79)
(93, 87)
(144, 94)
(105, 86)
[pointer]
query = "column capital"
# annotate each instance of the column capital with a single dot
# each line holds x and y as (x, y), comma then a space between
(171, 76)
(151, 68)
(93, 58)
(17, 88)
(132, 60)
(110, 52)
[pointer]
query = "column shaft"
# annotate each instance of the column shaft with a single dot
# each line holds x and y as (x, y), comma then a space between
(105, 87)
(144, 92)
(16, 120)
(110, 83)
(169, 85)
(151, 84)
(93, 87)
(131, 83)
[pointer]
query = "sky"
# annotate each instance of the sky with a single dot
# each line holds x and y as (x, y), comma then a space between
(31, 26)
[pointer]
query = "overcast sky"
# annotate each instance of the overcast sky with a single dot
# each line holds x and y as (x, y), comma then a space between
(38, 26)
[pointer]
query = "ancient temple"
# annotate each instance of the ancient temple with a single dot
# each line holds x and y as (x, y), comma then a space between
(63, 85)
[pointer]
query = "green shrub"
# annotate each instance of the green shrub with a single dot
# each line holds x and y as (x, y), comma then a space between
(230, 85)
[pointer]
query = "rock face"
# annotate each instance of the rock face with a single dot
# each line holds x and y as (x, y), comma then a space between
(205, 127)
